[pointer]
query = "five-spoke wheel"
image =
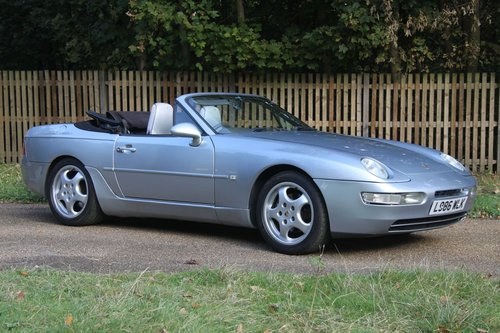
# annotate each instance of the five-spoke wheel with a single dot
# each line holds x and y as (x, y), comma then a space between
(291, 214)
(71, 194)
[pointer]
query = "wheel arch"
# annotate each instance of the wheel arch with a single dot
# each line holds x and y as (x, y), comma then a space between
(51, 167)
(90, 211)
(262, 178)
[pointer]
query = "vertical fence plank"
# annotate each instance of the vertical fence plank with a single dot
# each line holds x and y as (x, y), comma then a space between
(30, 115)
(17, 136)
(492, 124)
(72, 97)
(410, 110)
(468, 111)
(497, 122)
(475, 123)
(8, 120)
(439, 112)
(345, 88)
(415, 128)
(3, 96)
(389, 121)
(461, 117)
(24, 112)
(338, 104)
(432, 112)
(352, 109)
(373, 104)
(36, 98)
(403, 85)
(453, 116)
(482, 139)
(425, 110)
(446, 110)
(380, 107)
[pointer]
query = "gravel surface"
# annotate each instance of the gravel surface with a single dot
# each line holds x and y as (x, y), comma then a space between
(30, 237)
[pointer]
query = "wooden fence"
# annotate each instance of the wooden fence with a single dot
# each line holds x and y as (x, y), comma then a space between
(455, 113)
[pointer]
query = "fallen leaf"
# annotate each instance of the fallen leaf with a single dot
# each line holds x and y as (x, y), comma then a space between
(256, 288)
(239, 328)
(267, 331)
(191, 262)
(444, 299)
(187, 295)
(273, 307)
(68, 321)
(196, 305)
(24, 273)
(163, 331)
(480, 330)
(183, 311)
(442, 329)
(20, 295)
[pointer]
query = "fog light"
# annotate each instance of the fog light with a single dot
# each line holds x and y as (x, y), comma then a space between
(413, 198)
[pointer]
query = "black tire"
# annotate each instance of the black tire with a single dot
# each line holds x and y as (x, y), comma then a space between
(71, 195)
(291, 214)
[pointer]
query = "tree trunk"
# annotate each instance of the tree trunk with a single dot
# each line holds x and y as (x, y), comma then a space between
(474, 38)
(240, 11)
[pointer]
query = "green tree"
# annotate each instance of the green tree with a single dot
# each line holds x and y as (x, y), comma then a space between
(251, 35)
(38, 34)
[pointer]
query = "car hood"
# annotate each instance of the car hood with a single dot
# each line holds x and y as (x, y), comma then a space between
(406, 158)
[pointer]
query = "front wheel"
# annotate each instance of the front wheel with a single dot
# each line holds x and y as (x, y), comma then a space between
(71, 194)
(291, 214)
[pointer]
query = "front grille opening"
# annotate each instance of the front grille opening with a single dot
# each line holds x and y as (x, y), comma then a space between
(426, 223)
(448, 193)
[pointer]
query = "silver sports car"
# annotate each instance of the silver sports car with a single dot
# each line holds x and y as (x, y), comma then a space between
(241, 160)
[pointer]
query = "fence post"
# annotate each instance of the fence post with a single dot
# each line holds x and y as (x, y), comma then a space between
(498, 125)
(366, 104)
(103, 98)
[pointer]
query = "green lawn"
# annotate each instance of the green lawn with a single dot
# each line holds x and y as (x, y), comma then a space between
(226, 300)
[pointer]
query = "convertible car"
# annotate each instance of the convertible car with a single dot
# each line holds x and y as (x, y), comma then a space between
(241, 160)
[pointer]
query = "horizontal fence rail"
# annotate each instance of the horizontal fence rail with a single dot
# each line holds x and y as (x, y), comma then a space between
(455, 113)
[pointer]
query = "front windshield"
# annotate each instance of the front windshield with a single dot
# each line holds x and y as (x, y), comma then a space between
(233, 113)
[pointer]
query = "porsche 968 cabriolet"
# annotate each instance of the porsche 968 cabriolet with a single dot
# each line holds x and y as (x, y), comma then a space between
(242, 160)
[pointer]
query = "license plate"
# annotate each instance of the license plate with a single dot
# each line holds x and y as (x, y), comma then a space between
(447, 206)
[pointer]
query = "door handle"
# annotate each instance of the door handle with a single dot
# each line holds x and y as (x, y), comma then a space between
(127, 149)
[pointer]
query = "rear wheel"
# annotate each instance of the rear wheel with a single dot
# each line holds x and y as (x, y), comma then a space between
(71, 194)
(291, 214)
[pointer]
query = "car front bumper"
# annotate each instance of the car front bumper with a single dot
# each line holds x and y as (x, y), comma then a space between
(350, 216)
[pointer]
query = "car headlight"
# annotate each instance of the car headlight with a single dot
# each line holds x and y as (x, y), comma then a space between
(375, 168)
(412, 198)
(453, 162)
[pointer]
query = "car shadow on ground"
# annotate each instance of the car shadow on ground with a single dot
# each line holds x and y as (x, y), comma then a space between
(351, 245)
(252, 237)
(245, 236)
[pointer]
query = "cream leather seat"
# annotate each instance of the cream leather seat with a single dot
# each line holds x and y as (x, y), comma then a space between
(161, 119)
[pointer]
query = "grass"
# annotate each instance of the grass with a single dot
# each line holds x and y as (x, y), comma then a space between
(487, 204)
(226, 300)
(12, 189)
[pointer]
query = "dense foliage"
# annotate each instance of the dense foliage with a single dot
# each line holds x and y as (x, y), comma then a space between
(257, 35)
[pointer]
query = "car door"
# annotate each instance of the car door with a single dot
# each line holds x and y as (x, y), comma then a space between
(165, 168)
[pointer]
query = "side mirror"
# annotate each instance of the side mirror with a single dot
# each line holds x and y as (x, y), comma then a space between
(188, 130)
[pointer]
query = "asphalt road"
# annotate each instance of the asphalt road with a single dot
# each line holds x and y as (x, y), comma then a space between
(30, 237)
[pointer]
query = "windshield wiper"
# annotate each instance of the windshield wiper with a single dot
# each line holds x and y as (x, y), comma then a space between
(304, 128)
(265, 129)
